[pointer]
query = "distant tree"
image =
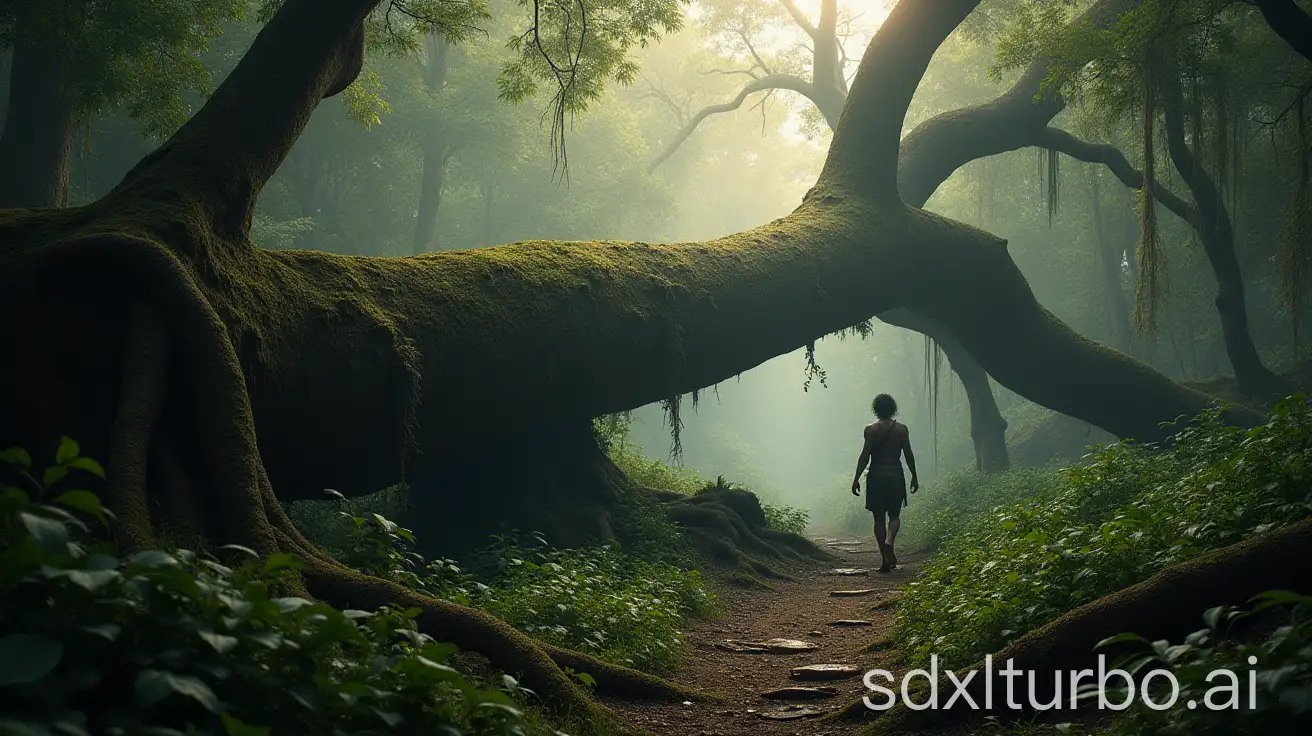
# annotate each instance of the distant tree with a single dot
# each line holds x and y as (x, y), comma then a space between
(77, 58)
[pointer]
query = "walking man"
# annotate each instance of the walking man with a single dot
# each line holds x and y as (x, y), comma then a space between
(886, 441)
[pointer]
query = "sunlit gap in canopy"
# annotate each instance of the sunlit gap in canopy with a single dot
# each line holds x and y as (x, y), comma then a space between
(858, 20)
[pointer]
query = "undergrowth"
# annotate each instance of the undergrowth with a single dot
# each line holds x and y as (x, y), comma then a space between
(1124, 514)
(173, 642)
(956, 500)
(596, 600)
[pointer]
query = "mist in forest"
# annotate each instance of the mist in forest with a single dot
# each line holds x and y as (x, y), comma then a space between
(424, 153)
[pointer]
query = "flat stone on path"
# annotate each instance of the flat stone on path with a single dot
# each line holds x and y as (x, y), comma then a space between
(824, 672)
(851, 571)
(769, 646)
(851, 622)
(851, 593)
(791, 714)
(800, 693)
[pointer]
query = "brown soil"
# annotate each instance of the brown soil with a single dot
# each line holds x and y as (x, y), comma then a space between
(793, 610)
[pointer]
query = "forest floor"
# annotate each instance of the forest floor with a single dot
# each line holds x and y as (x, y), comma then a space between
(800, 609)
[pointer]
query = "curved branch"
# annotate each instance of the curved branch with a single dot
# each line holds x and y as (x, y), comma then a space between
(946, 142)
(1290, 23)
(799, 17)
(1115, 161)
(771, 82)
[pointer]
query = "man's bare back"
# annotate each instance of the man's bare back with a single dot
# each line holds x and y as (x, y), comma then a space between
(886, 440)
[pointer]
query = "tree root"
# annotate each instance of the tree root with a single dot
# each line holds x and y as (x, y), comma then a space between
(622, 682)
(1168, 605)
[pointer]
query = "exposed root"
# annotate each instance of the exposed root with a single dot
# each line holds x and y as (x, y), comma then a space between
(749, 582)
(141, 398)
(623, 682)
(887, 602)
(506, 648)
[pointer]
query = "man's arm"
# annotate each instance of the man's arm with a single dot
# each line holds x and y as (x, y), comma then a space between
(911, 458)
(861, 462)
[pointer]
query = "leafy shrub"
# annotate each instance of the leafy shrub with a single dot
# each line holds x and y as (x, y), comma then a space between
(612, 434)
(1127, 513)
(178, 642)
(786, 518)
(596, 600)
(953, 502)
(1280, 663)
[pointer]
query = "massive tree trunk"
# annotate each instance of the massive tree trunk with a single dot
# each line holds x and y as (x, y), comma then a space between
(36, 147)
(436, 152)
(154, 317)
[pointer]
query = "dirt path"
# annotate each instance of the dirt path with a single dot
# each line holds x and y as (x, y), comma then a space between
(802, 610)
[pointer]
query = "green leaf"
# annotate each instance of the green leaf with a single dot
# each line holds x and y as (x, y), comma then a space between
(235, 727)
(89, 465)
(108, 630)
(82, 501)
(155, 685)
(68, 449)
(244, 550)
(48, 533)
(1119, 638)
(221, 643)
(153, 558)
(26, 658)
(53, 475)
(16, 456)
(287, 605)
(91, 580)
(282, 561)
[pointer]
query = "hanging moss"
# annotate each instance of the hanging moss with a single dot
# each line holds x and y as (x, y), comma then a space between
(1150, 286)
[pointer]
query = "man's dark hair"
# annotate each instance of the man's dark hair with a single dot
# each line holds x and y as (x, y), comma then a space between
(884, 405)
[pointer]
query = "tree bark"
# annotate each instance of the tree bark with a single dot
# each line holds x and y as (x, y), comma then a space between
(36, 147)
(436, 152)
(1212, 222)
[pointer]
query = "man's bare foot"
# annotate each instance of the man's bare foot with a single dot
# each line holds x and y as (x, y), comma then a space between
(891, 558)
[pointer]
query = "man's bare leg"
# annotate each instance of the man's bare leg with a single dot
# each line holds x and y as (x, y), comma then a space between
(880, 537)
(894, 524)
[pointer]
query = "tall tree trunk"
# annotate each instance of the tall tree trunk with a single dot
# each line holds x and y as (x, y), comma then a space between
(1217, 235)
(36, 148)
(435, 151)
